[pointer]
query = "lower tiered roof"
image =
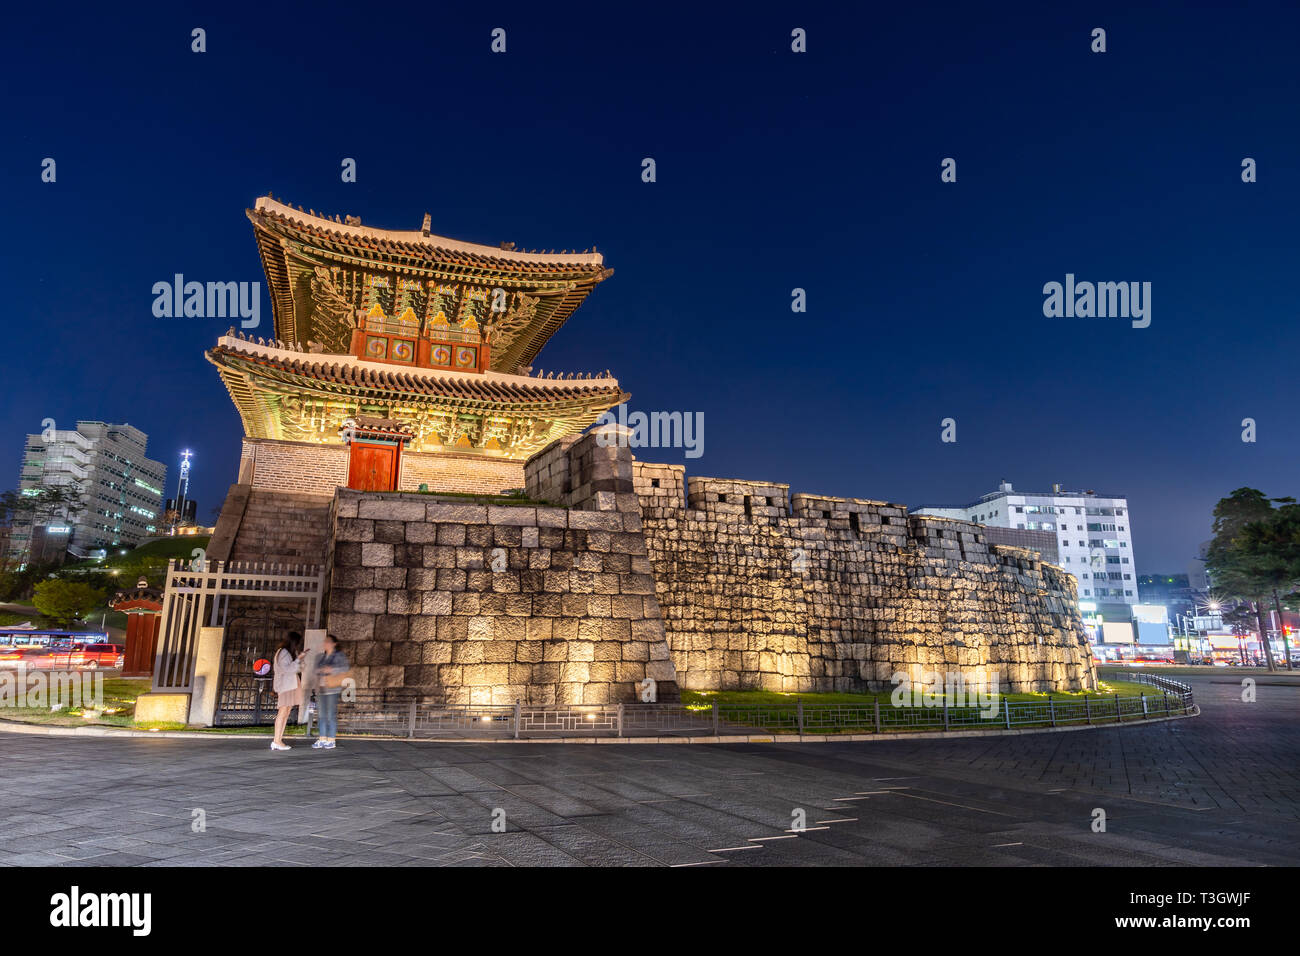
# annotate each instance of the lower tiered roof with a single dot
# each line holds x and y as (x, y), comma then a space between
(285, 393)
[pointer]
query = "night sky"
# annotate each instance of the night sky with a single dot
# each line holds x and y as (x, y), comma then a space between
(775, 170)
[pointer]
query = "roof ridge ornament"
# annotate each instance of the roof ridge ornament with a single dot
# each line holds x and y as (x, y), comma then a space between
(424, 227)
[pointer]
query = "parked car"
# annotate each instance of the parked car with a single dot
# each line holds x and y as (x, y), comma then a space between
(96, 656)
(33, 655)
(11, 655)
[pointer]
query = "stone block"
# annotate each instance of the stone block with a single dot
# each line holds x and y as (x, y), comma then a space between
(511, 516)
(376, 555)
(403, 602)
(437, 511)
(435, 602)
(393, 509)
(353, 529)
(371, 601)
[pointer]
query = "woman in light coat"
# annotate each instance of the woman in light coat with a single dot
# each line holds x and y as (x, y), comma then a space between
(288, 684)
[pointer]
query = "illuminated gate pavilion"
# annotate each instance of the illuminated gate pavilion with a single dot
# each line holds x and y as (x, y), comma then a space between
(402, 358)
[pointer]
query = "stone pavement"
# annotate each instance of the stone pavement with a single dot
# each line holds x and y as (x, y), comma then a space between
(1221, 789)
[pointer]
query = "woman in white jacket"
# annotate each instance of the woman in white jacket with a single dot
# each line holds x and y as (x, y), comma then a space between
(288, 684)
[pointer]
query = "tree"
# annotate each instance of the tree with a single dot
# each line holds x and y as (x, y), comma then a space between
(1234, 571)
(66, 601)
(153, 568)
(1241, 618)
(17, 585)
(27, 508)
(38, 504)
(1271, 547)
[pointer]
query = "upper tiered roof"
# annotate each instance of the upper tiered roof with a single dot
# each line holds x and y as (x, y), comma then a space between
(322, 270)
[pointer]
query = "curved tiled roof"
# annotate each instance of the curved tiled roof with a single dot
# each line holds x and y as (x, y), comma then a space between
(426, 245)
(293, 243)
(349, 374)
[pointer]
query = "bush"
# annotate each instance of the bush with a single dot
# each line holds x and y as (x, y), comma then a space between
(66, 601)
(18, 585)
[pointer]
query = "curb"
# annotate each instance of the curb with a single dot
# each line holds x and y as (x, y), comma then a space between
(36, 730)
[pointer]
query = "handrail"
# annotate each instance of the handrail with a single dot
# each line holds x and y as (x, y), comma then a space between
(417, 715)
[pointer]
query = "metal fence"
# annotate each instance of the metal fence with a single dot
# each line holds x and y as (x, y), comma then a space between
(200, 592)
(410, 715)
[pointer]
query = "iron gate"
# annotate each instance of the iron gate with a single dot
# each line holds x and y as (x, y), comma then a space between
(256, 604)
(243, 698)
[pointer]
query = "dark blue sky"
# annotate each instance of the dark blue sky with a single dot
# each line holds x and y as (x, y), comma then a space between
(775, 170)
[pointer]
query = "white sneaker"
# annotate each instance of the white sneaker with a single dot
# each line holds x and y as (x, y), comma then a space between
(329, 746)
(318, 745)
(275, 746)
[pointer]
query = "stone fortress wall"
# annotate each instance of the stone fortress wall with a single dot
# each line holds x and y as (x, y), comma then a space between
(618, 570)
(807, 593)
(484, 603)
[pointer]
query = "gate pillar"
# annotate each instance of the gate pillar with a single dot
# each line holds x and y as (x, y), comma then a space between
(207, 675)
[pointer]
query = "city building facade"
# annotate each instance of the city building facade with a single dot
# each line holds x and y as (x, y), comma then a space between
(1173, 592)
(119, 491)
(1093, 533)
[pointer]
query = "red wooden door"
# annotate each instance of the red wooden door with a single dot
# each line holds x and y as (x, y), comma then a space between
(373, 467)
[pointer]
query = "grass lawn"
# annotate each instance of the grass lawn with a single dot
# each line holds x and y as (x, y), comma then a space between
(10, 618)
(775, 699)
(119, 707)
(120, 694)
(774, 711)
(180, 546)
(761, 706)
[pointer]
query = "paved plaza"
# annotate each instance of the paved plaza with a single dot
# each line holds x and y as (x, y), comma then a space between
(1220, 789)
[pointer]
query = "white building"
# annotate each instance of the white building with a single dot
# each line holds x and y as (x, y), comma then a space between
(1093, 532)
(120, 490)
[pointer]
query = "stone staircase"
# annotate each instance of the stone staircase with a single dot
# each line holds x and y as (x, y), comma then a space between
(275, 527)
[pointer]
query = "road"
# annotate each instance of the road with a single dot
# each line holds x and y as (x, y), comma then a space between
(1220, 789)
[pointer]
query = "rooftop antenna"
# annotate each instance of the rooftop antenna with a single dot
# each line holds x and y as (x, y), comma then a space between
(182, 490)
